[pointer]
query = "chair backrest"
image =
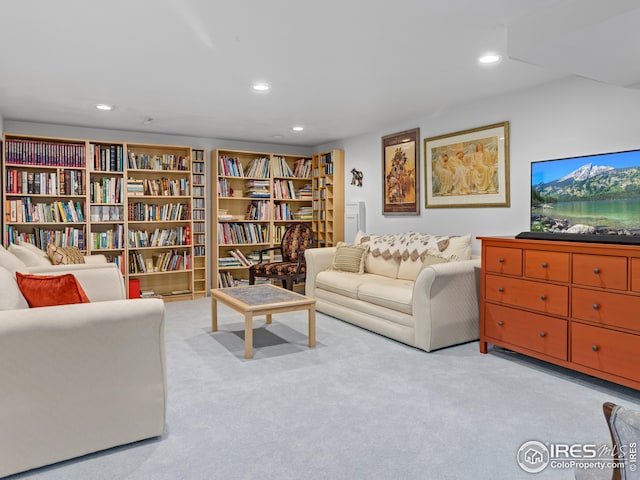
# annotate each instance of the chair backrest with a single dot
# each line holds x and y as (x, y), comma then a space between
(624, 425)
(296, 238)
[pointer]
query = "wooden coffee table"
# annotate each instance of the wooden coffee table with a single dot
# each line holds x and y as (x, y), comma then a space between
(266, 300)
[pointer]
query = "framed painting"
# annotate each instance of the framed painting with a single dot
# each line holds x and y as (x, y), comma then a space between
(400, 173)
(468, 168)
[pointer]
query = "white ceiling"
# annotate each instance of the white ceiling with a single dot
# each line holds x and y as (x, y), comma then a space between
(339, 68)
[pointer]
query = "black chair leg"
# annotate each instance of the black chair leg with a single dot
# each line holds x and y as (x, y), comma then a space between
(252, 278)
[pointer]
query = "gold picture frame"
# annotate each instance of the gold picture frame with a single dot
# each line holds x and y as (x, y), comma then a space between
(400, 173)
(469, 168)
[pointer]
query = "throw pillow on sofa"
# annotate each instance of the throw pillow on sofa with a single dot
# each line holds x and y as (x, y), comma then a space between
(64, 255)
(51, 290)
(349, 258)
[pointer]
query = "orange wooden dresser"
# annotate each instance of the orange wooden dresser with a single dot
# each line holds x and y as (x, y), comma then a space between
(573, 304)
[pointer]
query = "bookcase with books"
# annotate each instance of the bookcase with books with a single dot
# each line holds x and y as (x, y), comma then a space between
(256, 196)
(106, 201)
(328, 197)
(198, 187)
(159, 211)
(130, 202)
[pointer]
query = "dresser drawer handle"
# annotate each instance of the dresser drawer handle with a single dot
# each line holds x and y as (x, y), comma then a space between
(594, 348)
(501, 260)
(542, 334)
(596, 306)
(544, 264)
(500, 323)
(501, 289)
(596, 270)
(543, 297)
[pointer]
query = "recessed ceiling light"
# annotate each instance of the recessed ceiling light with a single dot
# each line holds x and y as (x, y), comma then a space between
(297, 129)
(260, 87)
(489, 58)
(104, 106)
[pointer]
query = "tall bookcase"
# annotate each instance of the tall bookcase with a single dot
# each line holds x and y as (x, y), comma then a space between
(255, 196)
(328, 197)
(199, 214)
(131, 202)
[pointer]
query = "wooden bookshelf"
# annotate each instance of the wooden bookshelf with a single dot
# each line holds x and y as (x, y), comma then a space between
(328, 197)
(131, 202)
(255, 196)
(198, 191)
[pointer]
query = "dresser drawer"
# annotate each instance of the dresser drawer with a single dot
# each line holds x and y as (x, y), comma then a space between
(600, 271)
(543, 297)
(606, 350)
(503, 260)
(606, 308)
(635, 274)
(546, 265)
(542, 334)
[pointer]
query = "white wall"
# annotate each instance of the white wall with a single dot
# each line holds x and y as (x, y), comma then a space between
(571, 117)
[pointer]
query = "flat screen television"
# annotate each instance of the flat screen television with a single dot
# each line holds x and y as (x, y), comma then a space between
(594, 194)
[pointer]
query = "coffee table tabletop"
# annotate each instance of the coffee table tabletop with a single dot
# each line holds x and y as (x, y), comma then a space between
(267, 299)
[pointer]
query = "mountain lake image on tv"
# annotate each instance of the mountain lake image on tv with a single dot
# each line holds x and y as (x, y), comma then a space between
(595, 194)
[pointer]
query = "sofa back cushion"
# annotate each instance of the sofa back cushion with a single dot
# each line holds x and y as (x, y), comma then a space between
(404, 255)
(10, 296)
(31, 255)
(12, 263)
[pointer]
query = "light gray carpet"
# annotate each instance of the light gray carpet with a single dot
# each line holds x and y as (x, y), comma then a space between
(358, 406)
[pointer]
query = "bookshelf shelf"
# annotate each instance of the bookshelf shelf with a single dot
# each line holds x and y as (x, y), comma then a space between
(92, 177)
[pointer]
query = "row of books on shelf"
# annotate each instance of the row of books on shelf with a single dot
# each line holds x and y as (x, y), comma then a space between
(23, 210)
(148, 212)
(166, 237)
(198, 161)
(226, 280)
(35, 152)
(234, 233)
(106, 190)
(199, 251)
(258, 167)
(158, 186)
(198, 203)
(230, 166)
(199, 215)
(199, 239)
(106, 213)
(24, 182)
(197, 190)
(167, 161)
(106, 158)
(113, 238)
(66, 237)
(161, 262)
(282, 211)
(301, 168)
(258, 210)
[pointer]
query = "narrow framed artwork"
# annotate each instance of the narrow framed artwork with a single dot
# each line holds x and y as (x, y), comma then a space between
(469, 168)
(400, 173)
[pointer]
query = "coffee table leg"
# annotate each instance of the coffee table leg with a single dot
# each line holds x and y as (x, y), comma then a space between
(248, 335)
(214, 315)
(269, 318)
(312, 326)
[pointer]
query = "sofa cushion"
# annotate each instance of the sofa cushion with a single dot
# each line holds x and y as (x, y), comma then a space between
(64, 255)
(410, 269)
(31, 255)
(342, 283)
(349, 258)
(10, 296)
(50, 290)
(11, 262)
(387, 292)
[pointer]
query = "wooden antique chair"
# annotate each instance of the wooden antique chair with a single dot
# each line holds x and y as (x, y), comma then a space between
(292, 268)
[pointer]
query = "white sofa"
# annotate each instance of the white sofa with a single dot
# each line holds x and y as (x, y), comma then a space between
(414, 292)
(76, 379)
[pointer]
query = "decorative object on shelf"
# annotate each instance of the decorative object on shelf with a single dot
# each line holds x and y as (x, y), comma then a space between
(356, 177)
(400, 173)
(469, 168)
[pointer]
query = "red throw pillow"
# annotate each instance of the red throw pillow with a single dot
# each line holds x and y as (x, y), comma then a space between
(50, 290)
